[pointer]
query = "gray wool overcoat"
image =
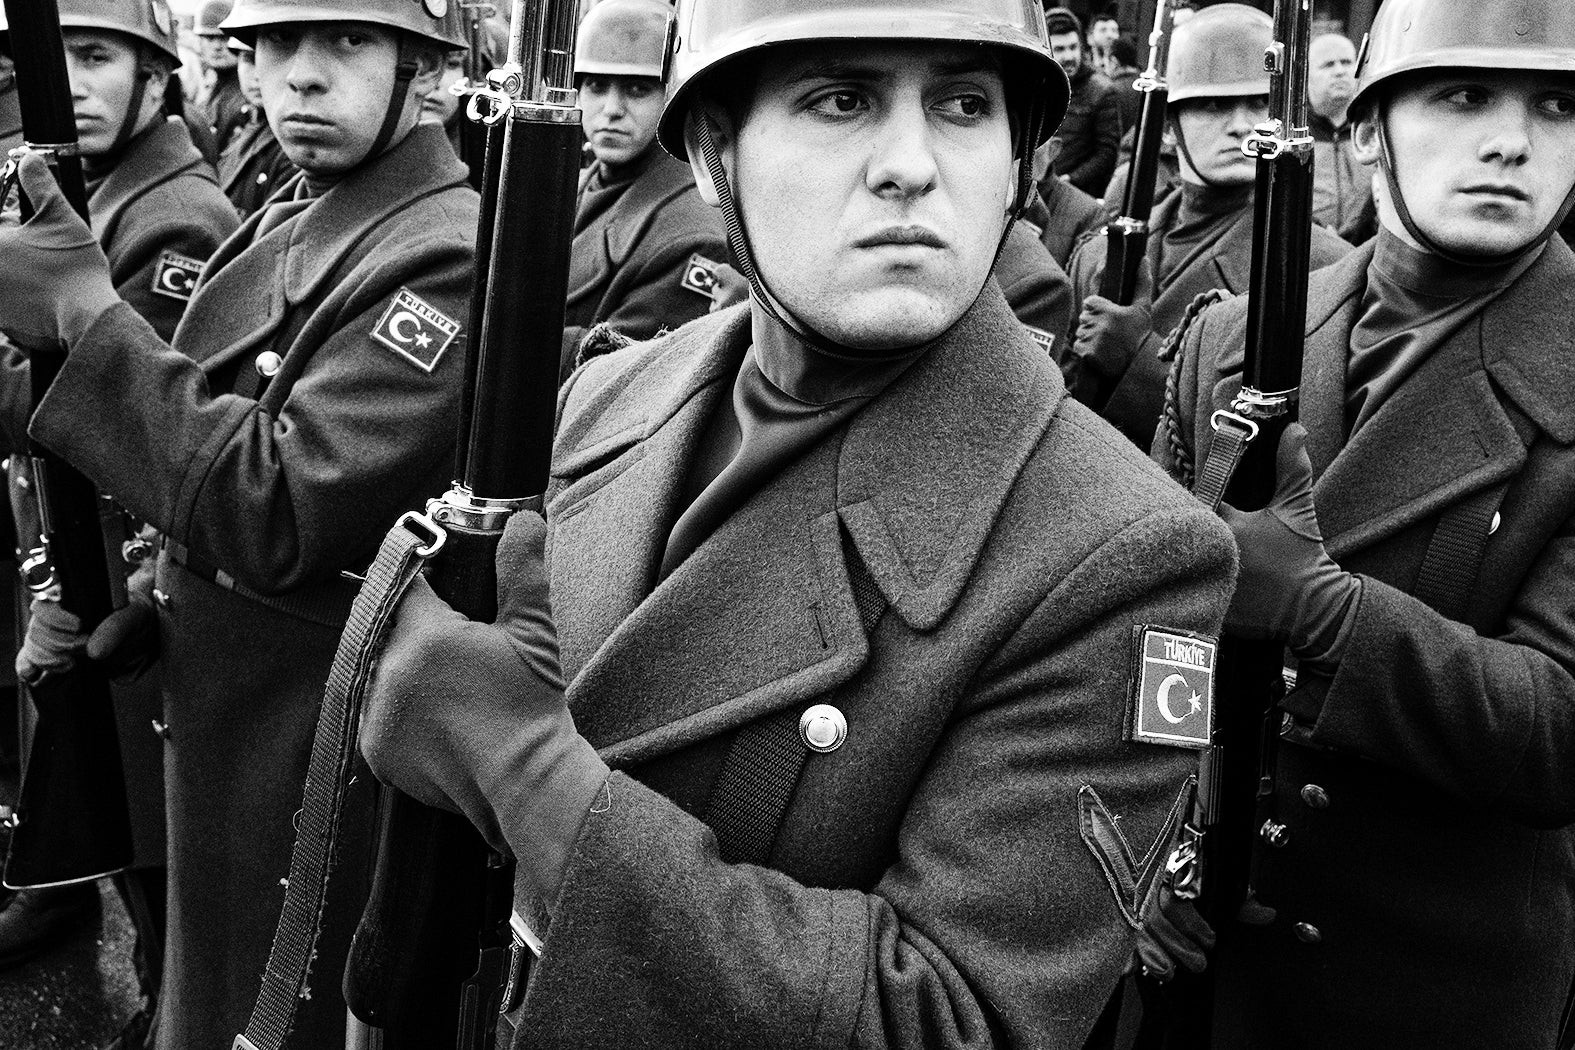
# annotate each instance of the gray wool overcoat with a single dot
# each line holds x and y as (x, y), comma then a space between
(1436, 860)
(965, 870)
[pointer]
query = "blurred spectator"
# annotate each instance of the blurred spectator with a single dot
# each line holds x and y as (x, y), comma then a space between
(1091, 132)
(1103, 32)
(1342, 187)
(1124, 71)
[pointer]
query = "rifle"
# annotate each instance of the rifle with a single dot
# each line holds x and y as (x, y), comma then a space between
(1213, 864)
(1126, 239)
(413, 968)
(70, 823)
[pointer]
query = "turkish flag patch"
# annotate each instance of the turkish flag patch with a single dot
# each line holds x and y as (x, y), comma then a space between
(1172, 696)
(176, 275)
(700, 276)
(415, 330)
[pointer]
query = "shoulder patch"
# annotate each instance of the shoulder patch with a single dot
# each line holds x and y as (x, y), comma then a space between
(1172, 689)
(700, 276)
(415, 330)
(1042, 337)
(176, 275)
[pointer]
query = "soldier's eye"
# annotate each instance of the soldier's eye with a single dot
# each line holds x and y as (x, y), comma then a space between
(839, 103)
(1558, 105)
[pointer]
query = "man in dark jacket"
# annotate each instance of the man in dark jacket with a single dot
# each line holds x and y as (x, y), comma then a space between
(856, 524)
(645, 245)
(1091, 132)
(253, 164)
(306, 401)
(1423, 891)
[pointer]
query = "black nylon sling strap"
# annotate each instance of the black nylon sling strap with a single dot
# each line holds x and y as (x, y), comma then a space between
(315, 852)
(764, 762)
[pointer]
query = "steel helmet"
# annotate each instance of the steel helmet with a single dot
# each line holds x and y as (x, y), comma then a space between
(1218, 53)
(437, 21)
(210, 16)
(713, 33)
(1408, 35)
(624, 38)
(149, 21)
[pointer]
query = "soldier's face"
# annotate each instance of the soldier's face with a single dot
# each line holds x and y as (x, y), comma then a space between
(620, 115)
(1214, 129)
(326, 87)
(874, 183)
(1484, 159)
(215, 53)
(103, 69)
(441, 104)
(246, 74)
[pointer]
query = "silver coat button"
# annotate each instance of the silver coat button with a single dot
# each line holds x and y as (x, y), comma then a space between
(1315, 796)
(822, 728)
(1307, 933)
(161, 599)
(1498, 519)
(268, 364)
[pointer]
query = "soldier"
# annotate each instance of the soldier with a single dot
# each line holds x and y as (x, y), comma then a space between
(253, 165)
(222, 98)
(158, 215)
(308, 399)
(1424, 891)
(1060, 213)
(855, 524)
(1200, 238)
(645, 245)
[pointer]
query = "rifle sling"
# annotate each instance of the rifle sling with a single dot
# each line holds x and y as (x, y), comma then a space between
(315, 853)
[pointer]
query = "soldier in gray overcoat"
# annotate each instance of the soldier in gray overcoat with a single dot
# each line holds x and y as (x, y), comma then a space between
(1421, 892)
(1200, 238)
(856, 528)
(308, 398)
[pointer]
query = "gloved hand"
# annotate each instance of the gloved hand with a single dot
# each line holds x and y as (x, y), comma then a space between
(1289, 588)
(127, 642)
(55, 280)
(53, 643)
(1109, 335)
(470, 717)
(1173, 934)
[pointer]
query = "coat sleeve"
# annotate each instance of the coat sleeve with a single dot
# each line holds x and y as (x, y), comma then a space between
(994, 927)
(1485, 719)
(187, 216)
(276, 500)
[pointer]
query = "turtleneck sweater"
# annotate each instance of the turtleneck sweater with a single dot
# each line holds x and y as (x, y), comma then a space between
(1203, 216)
(1414, 302)
(786, 396)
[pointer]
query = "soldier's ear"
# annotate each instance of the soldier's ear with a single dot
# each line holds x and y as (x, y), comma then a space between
(1365, 143)
(723, 136)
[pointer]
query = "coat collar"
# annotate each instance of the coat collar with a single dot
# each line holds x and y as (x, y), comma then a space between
(910, 487)
(154, 157)
(626, 222)
(259, 279)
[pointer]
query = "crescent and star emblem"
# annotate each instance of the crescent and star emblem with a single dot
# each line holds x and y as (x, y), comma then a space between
(403, 318)
(1194, 702)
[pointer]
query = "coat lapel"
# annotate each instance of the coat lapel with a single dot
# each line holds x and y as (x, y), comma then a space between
(762, 615)
(161, 154)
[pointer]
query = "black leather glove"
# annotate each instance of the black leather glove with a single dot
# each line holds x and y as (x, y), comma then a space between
(127, 642)
(1109, 335)
(1289, 588)
(53, 643)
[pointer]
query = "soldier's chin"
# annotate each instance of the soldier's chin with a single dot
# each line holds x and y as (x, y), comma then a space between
(897, 320)
(1489, 235)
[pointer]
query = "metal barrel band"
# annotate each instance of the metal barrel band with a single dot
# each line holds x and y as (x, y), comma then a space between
(314, 854)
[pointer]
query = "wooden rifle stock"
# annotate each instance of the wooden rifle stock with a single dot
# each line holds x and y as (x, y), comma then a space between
(427, 960)
(1230, 819)
(70, 823)
(1126, 239)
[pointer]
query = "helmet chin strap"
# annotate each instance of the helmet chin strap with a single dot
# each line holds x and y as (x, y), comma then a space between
(139, 91)
(738, 240)
(1407, 220)
(404, 72)
(1186, 153)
